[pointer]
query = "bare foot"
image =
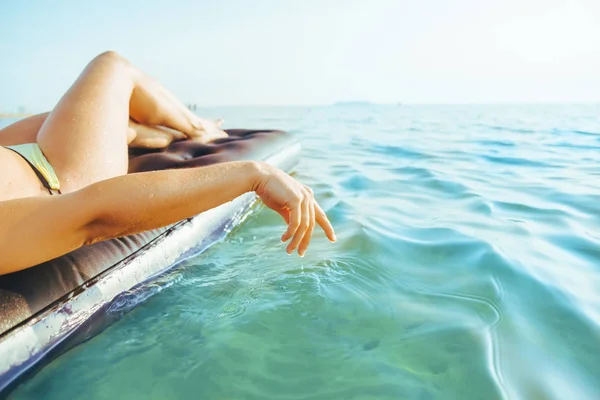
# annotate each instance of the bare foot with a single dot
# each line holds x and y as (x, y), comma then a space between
(151, 137)
(208, 131)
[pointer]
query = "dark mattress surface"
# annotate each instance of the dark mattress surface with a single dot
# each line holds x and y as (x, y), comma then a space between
(24, 293)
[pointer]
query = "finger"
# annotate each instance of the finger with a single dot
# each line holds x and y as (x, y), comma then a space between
(295, 215)
(323, 221)
(301, 229)
(311, 227)
(285, 213)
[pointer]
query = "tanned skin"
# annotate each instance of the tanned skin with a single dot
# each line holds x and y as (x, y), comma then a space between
(111, 106)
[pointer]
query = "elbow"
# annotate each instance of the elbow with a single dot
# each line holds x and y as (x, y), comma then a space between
(98, 223)
(101, 227)
(93, 232)
(94, 229)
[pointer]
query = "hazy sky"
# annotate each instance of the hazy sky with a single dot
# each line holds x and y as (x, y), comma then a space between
(236, 52)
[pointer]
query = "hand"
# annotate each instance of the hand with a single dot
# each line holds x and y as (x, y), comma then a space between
(296, 203)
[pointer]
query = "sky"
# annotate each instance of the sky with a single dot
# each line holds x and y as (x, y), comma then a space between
(309, 52)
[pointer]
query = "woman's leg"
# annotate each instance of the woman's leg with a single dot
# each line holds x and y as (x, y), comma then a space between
(85, 137)
(141, 136)
(151, 137)
(23, 131)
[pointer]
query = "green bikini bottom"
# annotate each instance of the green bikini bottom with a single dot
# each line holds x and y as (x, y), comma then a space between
(32, 153)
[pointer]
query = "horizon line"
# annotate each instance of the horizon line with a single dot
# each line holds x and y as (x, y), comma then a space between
(11, 114)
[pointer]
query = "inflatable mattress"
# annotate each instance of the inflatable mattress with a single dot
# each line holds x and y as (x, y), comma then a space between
(47, 309)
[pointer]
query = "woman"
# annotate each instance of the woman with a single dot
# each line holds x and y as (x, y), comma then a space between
(64, 181)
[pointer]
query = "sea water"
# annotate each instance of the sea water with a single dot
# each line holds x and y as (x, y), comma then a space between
(467, 267)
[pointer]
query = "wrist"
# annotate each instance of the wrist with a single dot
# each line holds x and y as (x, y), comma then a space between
(260, 173)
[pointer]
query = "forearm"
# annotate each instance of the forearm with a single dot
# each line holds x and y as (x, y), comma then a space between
(124, 205)
(138, 202)
(37, 229)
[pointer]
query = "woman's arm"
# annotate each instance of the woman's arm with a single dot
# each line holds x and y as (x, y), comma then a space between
(37, 229)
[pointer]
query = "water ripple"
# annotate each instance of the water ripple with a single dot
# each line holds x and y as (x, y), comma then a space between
(467, 257)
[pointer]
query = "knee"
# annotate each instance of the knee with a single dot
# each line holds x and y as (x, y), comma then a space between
(111, 57)
(113, 65)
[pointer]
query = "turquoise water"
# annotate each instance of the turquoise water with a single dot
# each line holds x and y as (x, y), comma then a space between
(467, 267)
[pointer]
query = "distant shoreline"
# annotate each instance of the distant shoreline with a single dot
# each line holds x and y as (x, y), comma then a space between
(14, 115)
